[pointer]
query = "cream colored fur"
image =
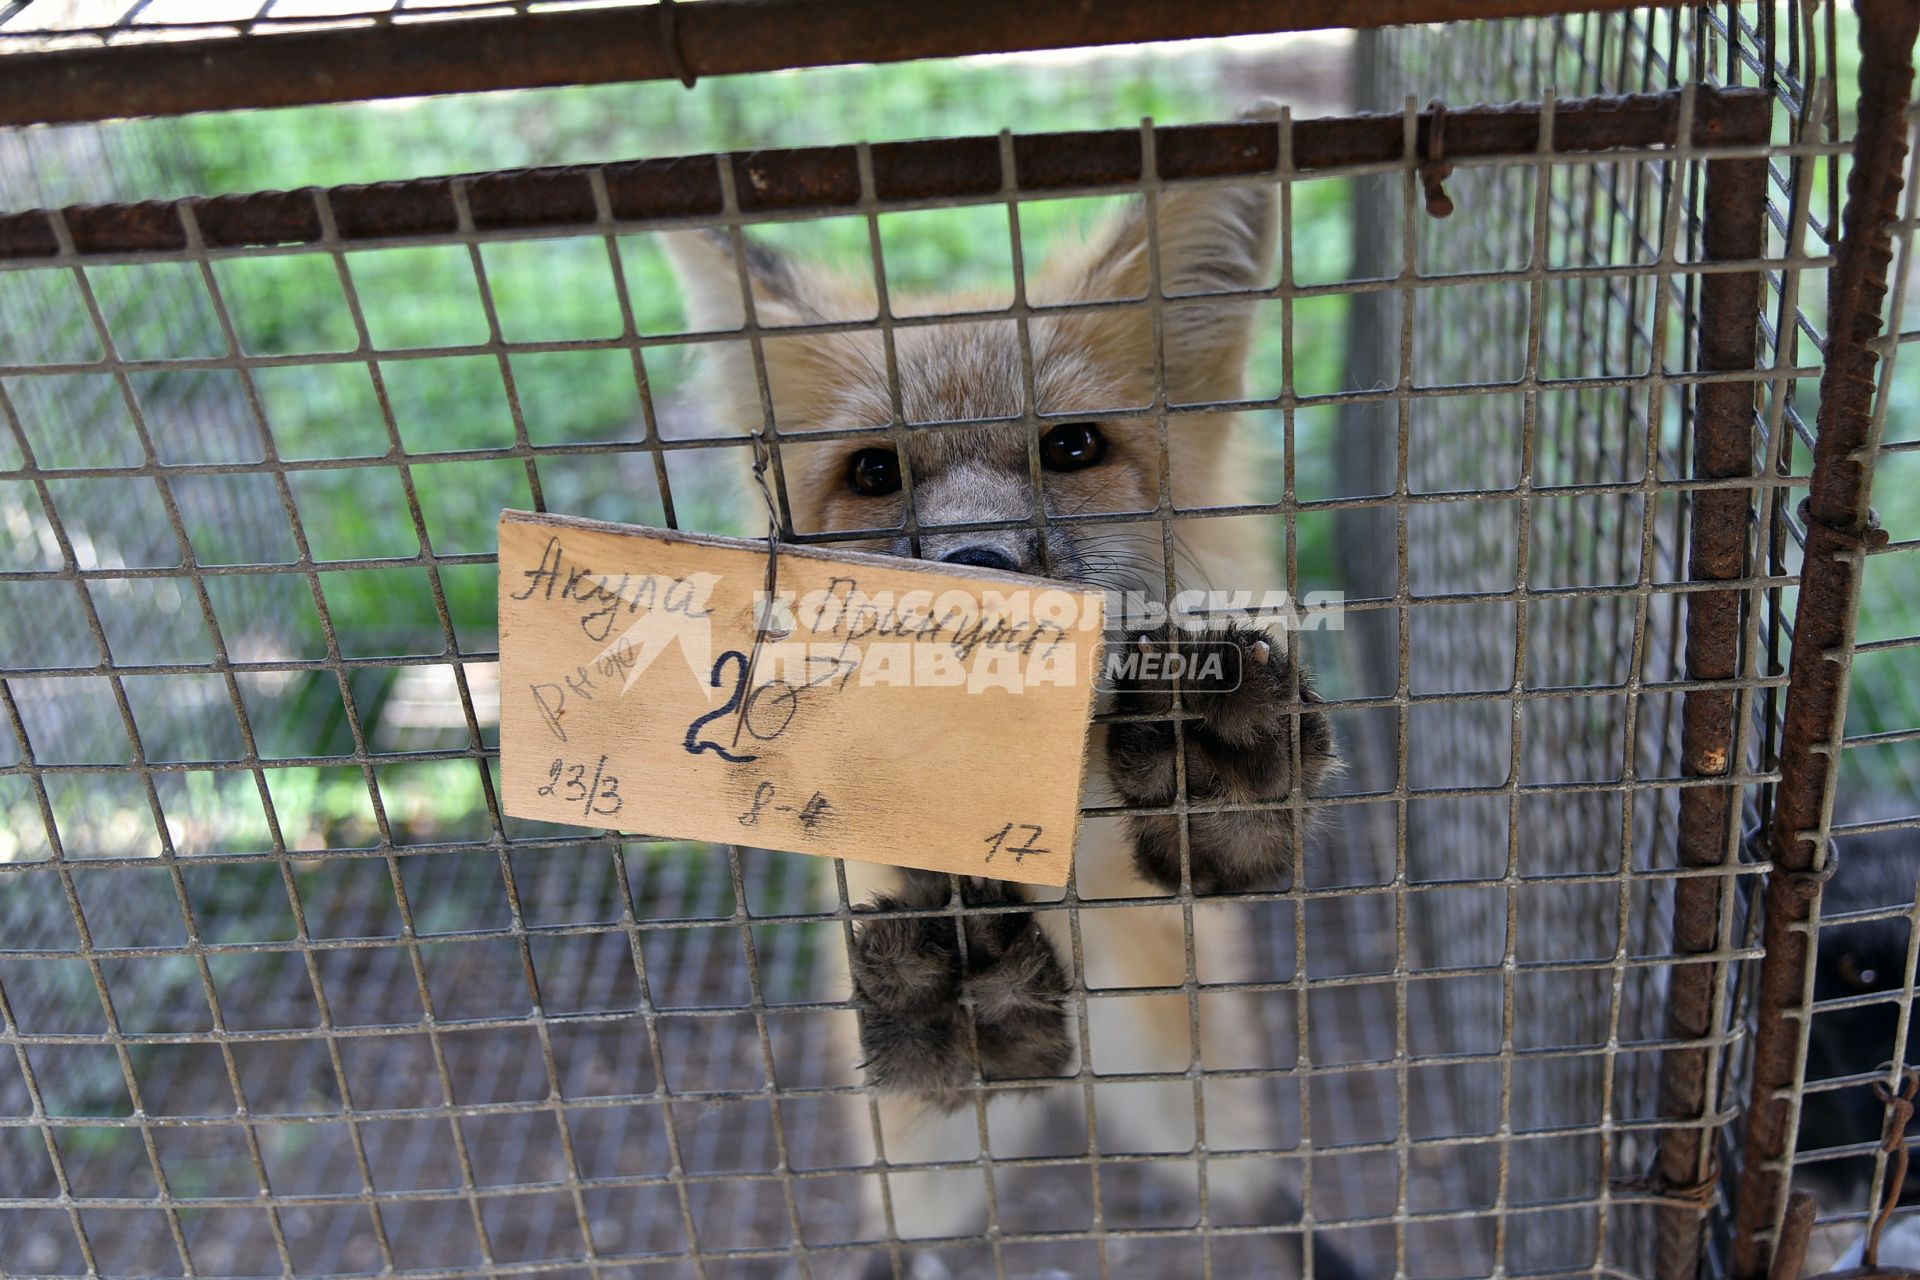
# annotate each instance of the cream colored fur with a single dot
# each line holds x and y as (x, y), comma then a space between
(1210, 240)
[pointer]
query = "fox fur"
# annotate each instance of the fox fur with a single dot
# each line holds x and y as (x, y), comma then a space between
(1210, 241)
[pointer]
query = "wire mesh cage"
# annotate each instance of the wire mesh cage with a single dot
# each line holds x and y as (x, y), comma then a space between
(1552, 561)
(1550, 988)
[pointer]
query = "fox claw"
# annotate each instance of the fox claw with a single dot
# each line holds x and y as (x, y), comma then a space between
(909, 977)
(1239, 748)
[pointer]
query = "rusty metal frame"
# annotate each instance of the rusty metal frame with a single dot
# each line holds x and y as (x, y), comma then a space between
(826, 179)
(1720, 528)
(234, 68)
(1839, 531)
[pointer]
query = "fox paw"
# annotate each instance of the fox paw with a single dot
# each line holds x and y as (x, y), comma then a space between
(909, 976)
(1240, 683)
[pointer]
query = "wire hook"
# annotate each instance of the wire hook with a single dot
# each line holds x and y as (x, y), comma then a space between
(1899, 1107)
(1434, 166)
(763, 628)
(670, 43)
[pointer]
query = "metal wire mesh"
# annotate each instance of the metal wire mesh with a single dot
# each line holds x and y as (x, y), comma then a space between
(1860, 1021)
(1601, 528)
(1860, 1030)
(284, 991)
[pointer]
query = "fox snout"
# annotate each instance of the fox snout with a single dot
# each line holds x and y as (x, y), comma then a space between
(950, 495)
(1050, 555)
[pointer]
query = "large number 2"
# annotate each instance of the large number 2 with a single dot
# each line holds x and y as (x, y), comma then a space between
(694, 743)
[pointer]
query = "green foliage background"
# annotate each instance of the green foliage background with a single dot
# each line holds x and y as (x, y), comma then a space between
(563, 289)
(553, 290)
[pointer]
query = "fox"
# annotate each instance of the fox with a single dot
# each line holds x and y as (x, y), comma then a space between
(972, 501)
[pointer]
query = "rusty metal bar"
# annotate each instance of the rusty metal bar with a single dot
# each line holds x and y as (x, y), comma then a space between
(225, 72)
(1838, 524)
(1790, 1259)
(827, 178)
(1734, 230)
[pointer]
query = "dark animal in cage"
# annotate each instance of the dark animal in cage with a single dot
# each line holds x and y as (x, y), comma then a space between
(938, 1006)
(1861, 966)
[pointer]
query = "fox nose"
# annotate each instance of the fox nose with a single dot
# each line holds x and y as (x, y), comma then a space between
(982, 558)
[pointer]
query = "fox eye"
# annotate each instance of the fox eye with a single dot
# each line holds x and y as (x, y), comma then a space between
(874, 472)
(1072, 447)
(1860, 976)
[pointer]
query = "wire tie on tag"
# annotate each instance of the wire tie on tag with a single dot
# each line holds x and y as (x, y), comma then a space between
(763, 619)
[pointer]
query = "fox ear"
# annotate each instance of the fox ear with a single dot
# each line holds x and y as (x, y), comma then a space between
(803, 370)
(710, 279)
(1210, 240)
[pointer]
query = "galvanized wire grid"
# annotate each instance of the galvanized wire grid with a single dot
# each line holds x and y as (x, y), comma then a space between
(244, 1050)
(1791, 51)
(1862, 990)
(1612, 643)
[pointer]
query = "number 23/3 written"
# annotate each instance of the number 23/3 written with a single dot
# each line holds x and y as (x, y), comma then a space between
(598, 797)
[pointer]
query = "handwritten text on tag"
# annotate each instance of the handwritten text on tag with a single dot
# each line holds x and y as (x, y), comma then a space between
(899, 712)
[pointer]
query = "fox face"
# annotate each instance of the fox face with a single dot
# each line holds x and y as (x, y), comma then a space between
(974, 443)
(968, 388)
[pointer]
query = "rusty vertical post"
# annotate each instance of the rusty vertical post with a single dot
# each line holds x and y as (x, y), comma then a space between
(1734, 230)
(1838, 524)
(1796, 1233)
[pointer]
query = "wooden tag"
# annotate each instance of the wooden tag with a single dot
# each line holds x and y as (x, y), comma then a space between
(899, 711)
